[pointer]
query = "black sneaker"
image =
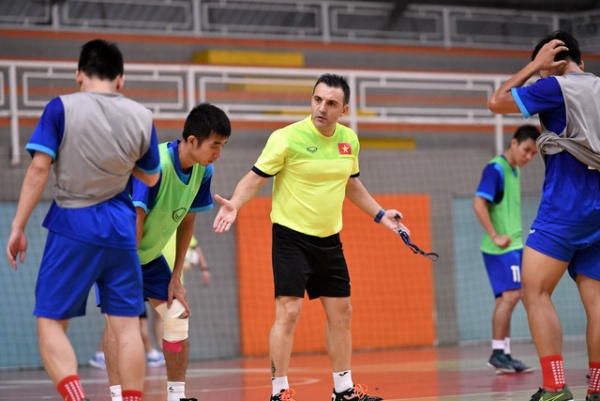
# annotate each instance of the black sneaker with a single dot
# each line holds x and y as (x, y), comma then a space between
(356, 393)
(519, 366)
(592, 397)
(562, 395)
(501, 363)
(284, 395)
(188, 399)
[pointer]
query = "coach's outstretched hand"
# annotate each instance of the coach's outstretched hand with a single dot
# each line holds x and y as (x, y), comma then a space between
(391, 219)
(226, 216)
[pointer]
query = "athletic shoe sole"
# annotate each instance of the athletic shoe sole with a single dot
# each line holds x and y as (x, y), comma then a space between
(501, 371)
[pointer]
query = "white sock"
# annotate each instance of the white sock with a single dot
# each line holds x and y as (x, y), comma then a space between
(498, 344)
(342, 381)
(507, 345)
(279, 383)
(115, 393)
(175, 391)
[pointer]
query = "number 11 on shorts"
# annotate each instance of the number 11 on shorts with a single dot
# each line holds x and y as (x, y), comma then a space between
(516, 271)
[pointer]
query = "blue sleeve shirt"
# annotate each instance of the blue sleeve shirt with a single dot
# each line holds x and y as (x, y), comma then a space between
(568, 182)
(88, 224)
(491, 185)
(49, 130)
(144, 196)
(150, 161)
(544, 98)
(47, 137)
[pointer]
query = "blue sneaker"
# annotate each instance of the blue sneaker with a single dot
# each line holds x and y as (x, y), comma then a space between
(499, 362)
(519, 366)
(98, 360)
(155, 358)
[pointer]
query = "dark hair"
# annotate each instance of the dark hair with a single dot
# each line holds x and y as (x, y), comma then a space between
(570, 42)
(204, 120)
(525, 132)
(101, 59)
(335, 81)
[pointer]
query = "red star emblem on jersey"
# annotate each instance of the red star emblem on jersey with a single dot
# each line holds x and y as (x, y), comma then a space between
(344, 148)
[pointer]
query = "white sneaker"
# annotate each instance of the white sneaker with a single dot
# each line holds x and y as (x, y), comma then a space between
(155, 358)
(98, 360)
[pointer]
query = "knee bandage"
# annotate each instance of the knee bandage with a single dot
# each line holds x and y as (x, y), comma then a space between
(175, 327)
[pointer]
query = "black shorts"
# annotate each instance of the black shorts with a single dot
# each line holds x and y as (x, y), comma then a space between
(306, 263)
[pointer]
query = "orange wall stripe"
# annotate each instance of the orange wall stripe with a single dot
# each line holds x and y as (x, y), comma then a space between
(273, 125)
(392, 289)
(79, 37)
(256, 43)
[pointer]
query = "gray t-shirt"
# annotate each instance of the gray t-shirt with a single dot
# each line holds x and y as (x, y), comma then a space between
(104, 135)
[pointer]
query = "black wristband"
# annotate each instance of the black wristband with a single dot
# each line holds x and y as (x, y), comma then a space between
(379, 216)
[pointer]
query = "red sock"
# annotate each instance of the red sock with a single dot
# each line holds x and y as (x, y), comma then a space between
(70, 388)
(132, 395)
(553, 372)
(594, 386)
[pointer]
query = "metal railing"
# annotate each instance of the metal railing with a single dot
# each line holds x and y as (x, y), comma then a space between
(264, 94)
(324, 21)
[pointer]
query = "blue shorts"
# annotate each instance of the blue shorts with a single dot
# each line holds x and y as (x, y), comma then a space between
(580, 246)
(143, 315)
(504, 271)
(157, 276)
(68, 271)
(567, 226)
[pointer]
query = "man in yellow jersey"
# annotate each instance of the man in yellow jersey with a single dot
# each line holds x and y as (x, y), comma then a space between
(314, 163)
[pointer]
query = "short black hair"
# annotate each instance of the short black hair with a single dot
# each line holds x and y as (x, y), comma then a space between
(204, 120)
(570, 42)
(101, 59)
(335, 81)
(525, 132)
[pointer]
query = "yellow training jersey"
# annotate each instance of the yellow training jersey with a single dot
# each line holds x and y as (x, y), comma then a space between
(310, 175)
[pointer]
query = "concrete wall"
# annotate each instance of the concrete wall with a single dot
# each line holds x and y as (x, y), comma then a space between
(447, 168)
(446, 175)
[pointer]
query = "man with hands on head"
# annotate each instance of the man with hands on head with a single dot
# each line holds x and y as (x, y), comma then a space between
(565, 236)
